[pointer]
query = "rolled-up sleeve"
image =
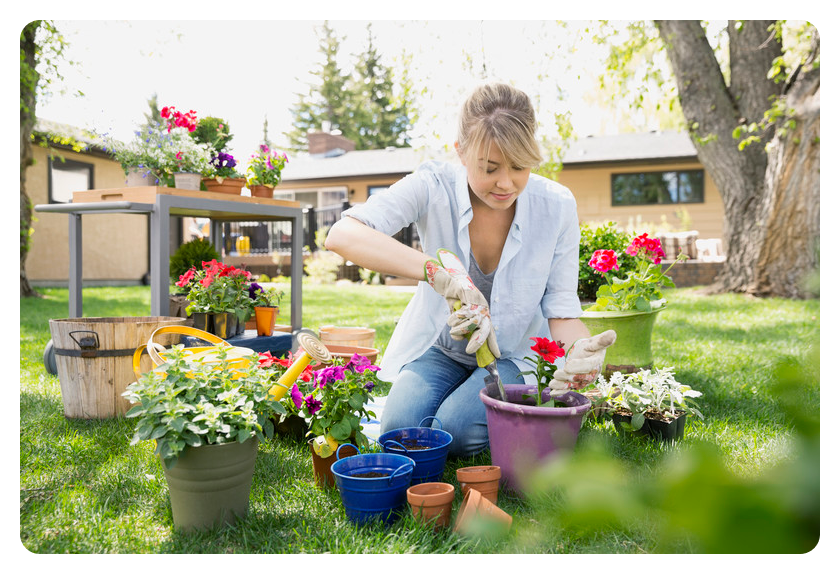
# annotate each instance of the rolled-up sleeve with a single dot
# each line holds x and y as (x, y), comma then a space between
(561, 299)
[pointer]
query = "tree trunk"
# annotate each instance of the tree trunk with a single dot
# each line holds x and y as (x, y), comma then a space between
(768, 214)
(27, 122)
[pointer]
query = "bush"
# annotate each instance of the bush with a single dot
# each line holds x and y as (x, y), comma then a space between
(213, 131)
(605, 236)
(191, 254)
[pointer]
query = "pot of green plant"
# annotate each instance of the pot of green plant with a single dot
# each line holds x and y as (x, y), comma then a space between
(188, 181)
(332, 402)
(203, 321)
(265, 301)
(321, 465)
(221, 291)
(629, 305)
(263, 172)
(648, 403)
(531, 427)
(205, 439)
(224, 177)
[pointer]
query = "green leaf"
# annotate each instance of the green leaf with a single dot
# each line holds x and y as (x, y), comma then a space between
(643, 305)
(637, 421)
(356, 401)
(341, 430)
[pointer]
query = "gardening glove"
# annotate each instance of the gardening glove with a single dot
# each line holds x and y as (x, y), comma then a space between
(583, 363)
(469, 311)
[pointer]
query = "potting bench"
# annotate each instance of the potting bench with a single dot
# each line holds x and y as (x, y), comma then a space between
(162, 203)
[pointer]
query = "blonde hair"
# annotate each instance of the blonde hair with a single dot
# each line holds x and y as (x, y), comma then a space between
(502, 114)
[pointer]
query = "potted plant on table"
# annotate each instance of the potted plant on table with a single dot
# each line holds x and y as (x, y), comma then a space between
(264, 168)
(530, 426)
(219, 298)
(206, 418)
(629, 305)
(265, 303)
(650, 403)
(224, 177)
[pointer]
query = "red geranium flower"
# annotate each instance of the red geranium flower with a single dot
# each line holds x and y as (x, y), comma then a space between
(646, 246)
(547, 349)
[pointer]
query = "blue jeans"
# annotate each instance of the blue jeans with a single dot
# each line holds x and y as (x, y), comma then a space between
(435, 385)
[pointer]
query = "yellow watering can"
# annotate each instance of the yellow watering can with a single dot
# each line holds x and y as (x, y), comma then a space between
(313, 349)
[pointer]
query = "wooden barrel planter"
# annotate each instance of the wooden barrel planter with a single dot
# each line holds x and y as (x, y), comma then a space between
(93, 358)
(347, 336)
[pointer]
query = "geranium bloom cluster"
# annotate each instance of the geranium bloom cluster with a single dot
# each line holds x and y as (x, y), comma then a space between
(641, 289)
(174, 118)
(212, 270)
(648, 247)
(217, 288)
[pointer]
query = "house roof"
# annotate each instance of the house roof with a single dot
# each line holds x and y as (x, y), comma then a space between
(630, 147)
(362, 163)
(613, 148)
(48, 127)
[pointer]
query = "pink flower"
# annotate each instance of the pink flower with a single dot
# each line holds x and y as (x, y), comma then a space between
(604, 260)
(648, 247)
(185, 279)
(297, 396)
(313, 405)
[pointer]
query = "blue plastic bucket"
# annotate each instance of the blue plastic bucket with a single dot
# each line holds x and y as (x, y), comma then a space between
(372, 498)
(430, 459)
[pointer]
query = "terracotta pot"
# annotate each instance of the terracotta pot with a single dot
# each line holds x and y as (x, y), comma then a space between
(321, 466)
(230, 185)
(431, 502)
(262, 191)
(265, 318)
(479, 516)
(484, 479)
(345, 352)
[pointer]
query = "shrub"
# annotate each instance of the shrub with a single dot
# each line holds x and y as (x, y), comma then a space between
(191, 254)
(213, 131)
(604, 236)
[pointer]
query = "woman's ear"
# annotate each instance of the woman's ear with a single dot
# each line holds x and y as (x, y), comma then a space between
(460, 153)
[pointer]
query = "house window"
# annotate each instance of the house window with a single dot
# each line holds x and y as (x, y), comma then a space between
(651, 188)
(68, 176)
(374, 189)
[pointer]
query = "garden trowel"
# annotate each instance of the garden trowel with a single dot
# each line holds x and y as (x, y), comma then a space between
(484, 357)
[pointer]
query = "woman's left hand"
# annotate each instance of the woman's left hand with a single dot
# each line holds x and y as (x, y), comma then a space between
(583, 363)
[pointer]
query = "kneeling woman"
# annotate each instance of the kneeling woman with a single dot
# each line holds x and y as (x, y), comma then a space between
(517, 235)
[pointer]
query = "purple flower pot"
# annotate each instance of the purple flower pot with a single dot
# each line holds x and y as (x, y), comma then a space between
(522, 434)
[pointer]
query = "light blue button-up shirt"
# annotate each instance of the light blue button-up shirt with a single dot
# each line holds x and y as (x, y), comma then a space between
(537, 276)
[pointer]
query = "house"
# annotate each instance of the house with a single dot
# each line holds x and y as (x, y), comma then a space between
(645, 180)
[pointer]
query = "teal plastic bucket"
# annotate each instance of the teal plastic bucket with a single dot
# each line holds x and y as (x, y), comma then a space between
(426, 446)
(368, 498)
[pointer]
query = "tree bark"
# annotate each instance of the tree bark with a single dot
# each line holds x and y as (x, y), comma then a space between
(771, 202)
(27, 123)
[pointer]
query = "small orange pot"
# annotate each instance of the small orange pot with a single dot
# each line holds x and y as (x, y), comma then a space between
(484, 479)
(478, 515)
(265, 317)
(262, 191)
(431, 502)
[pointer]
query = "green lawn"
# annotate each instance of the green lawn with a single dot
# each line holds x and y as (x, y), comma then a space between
(83, 489)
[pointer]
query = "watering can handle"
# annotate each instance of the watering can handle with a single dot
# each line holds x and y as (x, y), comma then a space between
(402, 446)
(393, 474)
(433, 419)
(338, 450)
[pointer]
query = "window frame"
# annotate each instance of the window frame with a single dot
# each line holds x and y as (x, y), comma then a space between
(54, 163)
(677, 173)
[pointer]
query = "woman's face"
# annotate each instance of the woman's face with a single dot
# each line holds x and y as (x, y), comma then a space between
(492, 181)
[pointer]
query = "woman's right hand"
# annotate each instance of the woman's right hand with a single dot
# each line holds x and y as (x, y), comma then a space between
(470, 312)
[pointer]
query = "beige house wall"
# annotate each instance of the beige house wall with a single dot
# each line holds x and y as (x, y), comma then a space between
(591, 187)
(357, 188)
(115, 247)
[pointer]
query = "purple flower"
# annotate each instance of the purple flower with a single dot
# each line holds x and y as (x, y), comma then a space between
(369, 386)
(253, 289)
(329, 375)
(313, 405)
(297, 396)
(360, 364)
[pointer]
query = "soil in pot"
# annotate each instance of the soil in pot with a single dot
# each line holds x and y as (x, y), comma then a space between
(369, 474)
(411, 444)
(656, 426)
